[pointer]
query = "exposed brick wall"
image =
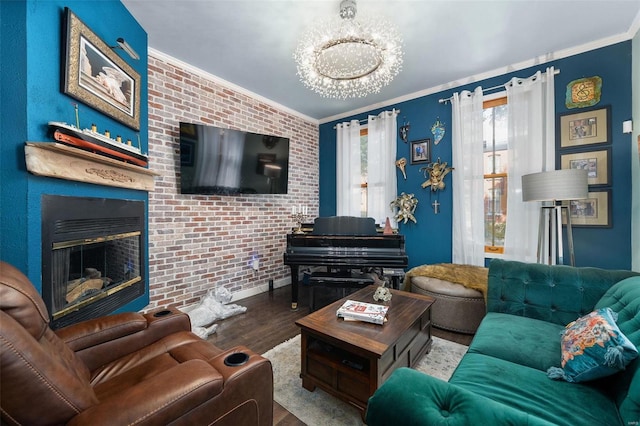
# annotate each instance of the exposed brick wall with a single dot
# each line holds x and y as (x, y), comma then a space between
(198, 242)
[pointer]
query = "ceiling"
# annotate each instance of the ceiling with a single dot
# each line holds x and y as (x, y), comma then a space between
(250, 43)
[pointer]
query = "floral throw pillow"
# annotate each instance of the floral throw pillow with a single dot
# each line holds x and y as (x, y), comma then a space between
(592, 347)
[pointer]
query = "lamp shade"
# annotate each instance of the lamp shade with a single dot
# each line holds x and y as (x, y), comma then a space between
(565, 184)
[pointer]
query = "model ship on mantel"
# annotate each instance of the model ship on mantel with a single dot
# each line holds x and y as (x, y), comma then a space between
(91, 140)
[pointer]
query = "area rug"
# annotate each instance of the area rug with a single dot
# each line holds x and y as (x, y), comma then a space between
(320, 408)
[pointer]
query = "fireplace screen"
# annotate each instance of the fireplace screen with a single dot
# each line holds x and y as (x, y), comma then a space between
(93, 254)
(88, 270)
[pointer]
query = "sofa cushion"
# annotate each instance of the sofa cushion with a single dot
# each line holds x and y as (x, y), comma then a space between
(525, 341)
(412, 398)
(593, 347)
(529, 390)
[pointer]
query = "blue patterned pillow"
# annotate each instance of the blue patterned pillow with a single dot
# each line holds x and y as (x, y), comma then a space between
(592, 347)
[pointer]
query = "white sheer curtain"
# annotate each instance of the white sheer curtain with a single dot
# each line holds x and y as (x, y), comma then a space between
(381, 167)
(531, 136)
(468, 178)
(348, 176)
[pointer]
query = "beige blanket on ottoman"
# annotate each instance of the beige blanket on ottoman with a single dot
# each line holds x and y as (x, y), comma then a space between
(470, 276)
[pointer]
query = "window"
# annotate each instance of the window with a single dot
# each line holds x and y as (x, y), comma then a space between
(495, 174)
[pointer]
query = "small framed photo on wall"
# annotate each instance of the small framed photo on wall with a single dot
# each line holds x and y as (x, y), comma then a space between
(584, 128)
(597, 163)
(421, 151)
(593, 211)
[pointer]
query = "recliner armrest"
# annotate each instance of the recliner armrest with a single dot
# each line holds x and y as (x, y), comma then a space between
(101, 340)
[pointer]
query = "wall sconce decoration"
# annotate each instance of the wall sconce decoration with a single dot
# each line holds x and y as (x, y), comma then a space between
(438, 131)
(401, 163)
(437, 171)
(122, 44)
(406, 206)
(404, 130)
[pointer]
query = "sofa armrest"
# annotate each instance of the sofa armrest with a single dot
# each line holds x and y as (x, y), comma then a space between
(419, 399)
(174, 392)
(552, 293)
(104, 339)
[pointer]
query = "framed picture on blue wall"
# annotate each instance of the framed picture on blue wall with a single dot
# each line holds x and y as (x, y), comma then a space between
(96, 76)
(587, 127)
(420, 151)
(597, 163)
(593, 211)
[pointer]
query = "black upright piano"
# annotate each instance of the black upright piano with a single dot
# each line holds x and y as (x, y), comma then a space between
(342, 243)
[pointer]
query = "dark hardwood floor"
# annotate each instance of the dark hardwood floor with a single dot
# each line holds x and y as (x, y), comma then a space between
(270, 321)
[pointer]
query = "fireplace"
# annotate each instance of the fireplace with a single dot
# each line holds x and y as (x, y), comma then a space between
(92, 256)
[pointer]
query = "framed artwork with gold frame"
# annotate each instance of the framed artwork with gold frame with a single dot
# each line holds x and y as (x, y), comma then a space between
(95, 75)
(588, 127)
(597, 163)
(593, 211)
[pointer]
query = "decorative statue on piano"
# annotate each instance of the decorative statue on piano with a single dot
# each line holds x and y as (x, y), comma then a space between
(406, 205)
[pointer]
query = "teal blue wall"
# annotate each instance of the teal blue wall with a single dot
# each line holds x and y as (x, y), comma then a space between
(30, 75)
(429, 241)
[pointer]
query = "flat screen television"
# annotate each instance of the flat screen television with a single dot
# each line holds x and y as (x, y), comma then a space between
(219, 161)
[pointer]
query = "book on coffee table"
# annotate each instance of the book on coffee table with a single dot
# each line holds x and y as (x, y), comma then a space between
(362, 311)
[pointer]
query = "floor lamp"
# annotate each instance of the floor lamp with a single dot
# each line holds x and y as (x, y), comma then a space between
(555, 188)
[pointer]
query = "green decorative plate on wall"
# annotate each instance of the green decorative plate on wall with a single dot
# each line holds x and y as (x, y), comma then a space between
(583, 92)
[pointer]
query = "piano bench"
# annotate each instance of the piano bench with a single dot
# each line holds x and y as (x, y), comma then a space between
(336, 281)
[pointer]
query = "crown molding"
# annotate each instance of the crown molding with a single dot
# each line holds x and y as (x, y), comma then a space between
(540, 60)
(204, 74)
(635, 26)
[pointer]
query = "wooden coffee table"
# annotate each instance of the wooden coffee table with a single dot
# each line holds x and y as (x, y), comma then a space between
(351, 359)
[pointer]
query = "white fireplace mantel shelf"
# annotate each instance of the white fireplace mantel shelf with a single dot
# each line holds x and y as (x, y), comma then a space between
(65, 162)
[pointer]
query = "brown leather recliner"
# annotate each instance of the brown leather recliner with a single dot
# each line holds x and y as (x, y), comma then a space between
(121, 369)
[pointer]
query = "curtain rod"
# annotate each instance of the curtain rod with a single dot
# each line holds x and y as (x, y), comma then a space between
(445, 100)
(364, 120)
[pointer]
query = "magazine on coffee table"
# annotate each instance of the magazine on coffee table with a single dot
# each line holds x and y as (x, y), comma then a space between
(362, 311)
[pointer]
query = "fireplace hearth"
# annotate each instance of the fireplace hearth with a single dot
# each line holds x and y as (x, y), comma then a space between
(92, 252)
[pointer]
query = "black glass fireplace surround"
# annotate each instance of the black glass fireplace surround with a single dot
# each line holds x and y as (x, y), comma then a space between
(92, 256)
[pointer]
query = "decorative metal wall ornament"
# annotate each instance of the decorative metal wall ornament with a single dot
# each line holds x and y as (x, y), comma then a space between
(406, 206)
(404, 131)
(436, 172)
(583, 92)
(401, 163)
(438, 131)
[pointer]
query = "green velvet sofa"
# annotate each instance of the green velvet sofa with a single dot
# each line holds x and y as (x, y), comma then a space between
(502, 378)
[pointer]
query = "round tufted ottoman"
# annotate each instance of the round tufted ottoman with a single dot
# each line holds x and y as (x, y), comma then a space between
(457, 307)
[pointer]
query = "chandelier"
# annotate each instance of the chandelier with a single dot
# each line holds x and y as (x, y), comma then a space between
(348, 58)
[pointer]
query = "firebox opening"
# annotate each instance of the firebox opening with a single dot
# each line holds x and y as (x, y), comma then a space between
(91, 269)
(92, 250)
